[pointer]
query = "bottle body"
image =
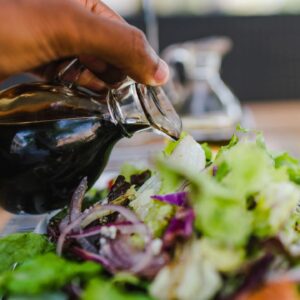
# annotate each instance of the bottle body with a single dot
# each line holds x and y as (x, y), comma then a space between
(48, 142)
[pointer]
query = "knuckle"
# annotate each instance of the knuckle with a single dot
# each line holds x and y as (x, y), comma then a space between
(62, 30)
(140, 44)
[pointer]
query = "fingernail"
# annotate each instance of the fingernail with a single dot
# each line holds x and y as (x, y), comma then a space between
(162, 73)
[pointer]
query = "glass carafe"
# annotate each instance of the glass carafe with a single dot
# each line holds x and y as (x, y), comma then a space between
(52, 135)
(209, 109)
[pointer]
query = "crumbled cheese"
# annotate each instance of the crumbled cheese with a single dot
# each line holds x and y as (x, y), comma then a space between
(102, 241)
(105, 201)
(156, 246)
(109, 231)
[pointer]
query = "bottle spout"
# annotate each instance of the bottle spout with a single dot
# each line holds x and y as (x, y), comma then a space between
(159, 111)
(135, 103)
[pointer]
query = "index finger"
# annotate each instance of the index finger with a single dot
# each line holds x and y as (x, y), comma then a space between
(124, 47)
(99, 8)
(95, 65)
(115, 43)
(145, 66)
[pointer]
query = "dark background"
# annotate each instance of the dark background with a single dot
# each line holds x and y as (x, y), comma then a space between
(264, 63)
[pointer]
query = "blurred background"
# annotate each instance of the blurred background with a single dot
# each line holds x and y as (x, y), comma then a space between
(264, 63)
(261, 67)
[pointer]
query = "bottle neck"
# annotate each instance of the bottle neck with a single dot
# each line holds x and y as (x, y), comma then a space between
(125, 108)
(134, 103)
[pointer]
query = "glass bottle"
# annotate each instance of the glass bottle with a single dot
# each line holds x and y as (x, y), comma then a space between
(52, 135)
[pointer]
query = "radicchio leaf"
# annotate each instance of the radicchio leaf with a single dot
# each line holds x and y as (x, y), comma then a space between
(179, 199)
(139, 179)
(119, 188)
(181, 226)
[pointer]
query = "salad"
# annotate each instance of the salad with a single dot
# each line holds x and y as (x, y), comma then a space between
(198, 226)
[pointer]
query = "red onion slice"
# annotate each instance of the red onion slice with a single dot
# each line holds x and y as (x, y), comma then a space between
(86, 255)
(116, 253)
(122, 228)
(97, 212)
(91, 215)
(65, 232)
(77, 198)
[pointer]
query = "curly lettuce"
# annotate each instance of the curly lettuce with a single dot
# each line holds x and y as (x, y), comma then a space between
(19, 247)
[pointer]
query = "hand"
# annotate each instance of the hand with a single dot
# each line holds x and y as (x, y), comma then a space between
(40, 34)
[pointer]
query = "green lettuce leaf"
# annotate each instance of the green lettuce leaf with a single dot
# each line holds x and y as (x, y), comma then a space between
(155, 214)
(127, 170)
(44, 296)
(159, 216)
(233, 141)
(208, 153)
(275, 204)
(222, 257)
(290, 235)
(240, 128)
(101, 289)
(170, 147)
(224, 212)
(123, 278)
(19, 247)
(220, 213)
(291, 165)
(190, 277)
(44, 273)
(247, 168)
(222, 170)
(187, 155)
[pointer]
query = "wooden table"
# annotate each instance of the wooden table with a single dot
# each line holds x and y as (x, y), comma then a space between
(280, 122)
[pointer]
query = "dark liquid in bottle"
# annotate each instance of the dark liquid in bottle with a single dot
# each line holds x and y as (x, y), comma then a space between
(42, 162)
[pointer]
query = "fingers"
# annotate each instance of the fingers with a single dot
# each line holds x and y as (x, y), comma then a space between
(108, 73)
(34, 34)
(121, 45)
(91, 82)
(84, 78)
(161, 70)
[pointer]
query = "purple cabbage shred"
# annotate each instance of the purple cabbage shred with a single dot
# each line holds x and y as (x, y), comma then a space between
(179, 199)
(181, 226)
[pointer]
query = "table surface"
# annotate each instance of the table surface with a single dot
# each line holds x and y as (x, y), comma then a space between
(280, 122)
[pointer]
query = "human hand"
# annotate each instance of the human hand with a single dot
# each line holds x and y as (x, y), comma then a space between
(40, 34)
